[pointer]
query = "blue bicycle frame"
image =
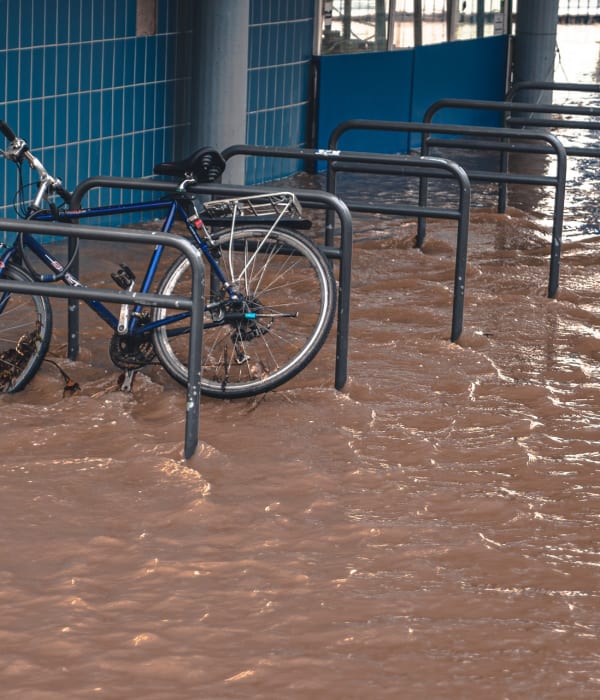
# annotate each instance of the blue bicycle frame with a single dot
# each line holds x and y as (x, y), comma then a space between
(175, 209)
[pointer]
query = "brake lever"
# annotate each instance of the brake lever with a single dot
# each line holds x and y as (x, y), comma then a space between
(17, 151)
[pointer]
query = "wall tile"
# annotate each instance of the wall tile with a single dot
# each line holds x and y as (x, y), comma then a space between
(93, 98)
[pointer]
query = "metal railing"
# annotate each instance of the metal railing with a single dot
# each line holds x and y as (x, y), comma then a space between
(522, 114)
(525, 114)
(550, 85)
(485, 139)
(567, 124)
(194, 303)
(401, 165)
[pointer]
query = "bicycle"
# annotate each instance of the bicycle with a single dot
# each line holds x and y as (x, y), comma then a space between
(269, 298)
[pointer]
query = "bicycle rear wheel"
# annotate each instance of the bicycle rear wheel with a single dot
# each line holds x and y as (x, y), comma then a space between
(25, 331)
(283, 317)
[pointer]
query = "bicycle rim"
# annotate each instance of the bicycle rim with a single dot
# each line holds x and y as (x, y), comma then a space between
(289, 294)
(25, 331)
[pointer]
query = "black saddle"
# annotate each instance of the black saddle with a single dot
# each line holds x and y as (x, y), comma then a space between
(205, 165)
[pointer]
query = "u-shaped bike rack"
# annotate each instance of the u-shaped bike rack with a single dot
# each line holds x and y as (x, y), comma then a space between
(308, 198)
(194, 303)
(399, 165)
(484, 138)
(539, 114)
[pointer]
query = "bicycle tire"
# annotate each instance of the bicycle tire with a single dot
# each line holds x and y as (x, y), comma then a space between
(25, 332)
(287, 281)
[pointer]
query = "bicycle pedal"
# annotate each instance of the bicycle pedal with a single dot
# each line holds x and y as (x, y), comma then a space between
(123, 277)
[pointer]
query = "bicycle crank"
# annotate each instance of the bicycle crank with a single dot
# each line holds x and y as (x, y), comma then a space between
(131, 351)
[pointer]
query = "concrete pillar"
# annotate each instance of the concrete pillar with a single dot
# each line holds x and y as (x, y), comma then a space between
(451, 19)
(219, 71)
(535, 45)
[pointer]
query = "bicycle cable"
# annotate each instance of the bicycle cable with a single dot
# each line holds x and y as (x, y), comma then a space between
(19, 199)
(21, 207)
(53, 277)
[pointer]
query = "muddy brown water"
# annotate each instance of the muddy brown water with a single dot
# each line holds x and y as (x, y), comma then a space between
(431, 531)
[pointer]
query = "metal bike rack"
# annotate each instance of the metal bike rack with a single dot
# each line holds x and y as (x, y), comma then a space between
(587, 110)
(550, 85)
(513, 113)
(195, 303)
(310, 198)
(485, 138)
(564, 124)
(524, 114)
(402, 165)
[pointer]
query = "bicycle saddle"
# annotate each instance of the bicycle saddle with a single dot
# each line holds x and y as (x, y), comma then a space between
(206, 164)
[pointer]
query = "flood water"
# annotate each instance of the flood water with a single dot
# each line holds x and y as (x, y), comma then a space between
(431, 531)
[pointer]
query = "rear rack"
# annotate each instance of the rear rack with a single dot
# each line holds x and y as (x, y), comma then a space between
(276, 205)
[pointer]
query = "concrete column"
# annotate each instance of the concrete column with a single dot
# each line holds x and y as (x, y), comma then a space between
(451, 19)
(535, 45)
(219, 72)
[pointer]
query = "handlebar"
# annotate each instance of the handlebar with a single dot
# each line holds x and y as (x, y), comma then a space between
(19, 150)
(7, 131)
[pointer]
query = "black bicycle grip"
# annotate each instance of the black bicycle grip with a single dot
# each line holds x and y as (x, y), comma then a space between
(7, 131)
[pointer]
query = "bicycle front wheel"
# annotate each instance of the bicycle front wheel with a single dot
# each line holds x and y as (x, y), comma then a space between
(25, 331)
(280, 320)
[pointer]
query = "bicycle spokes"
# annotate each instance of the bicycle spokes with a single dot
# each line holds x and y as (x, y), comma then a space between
(14, 359)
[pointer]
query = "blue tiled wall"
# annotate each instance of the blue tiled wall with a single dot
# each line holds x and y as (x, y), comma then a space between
(92, 98)
(89, 96)
(279, 82)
